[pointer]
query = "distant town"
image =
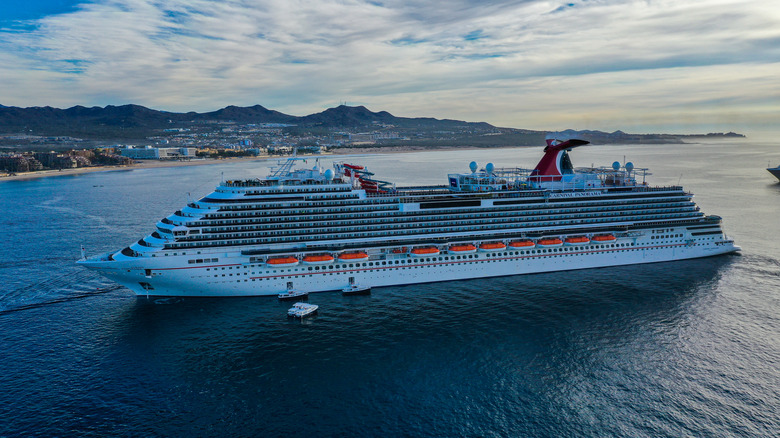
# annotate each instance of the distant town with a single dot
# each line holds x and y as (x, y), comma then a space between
(38, 139)
(216, 140)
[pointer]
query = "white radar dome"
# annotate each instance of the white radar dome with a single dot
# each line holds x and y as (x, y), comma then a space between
(616, 165)
(629, 166)
(329, 174)
(489, 168)
(473, 166)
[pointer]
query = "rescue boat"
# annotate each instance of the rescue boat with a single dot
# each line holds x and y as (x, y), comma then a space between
(282, 262)
(462, 249)
(492, 246)
(322, 259)
(425, 251)
(603, 238)
(577, 240)
(353, 257)
(549, 242)
(522, 244)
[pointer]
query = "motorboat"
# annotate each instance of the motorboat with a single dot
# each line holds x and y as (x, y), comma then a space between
(356, 289)
(293, 295)
(302, 310)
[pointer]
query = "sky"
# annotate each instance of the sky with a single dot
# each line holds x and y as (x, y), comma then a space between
(691, 66)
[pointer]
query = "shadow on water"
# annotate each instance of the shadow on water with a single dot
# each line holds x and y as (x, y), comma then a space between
(482, 348)
(530, 299)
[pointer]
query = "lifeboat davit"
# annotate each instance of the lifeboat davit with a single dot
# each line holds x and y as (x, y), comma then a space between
(522, 244)
(549, 242)
(322, 259)
(462, 249)
(425, 251)
(604, 238)
(282, 262)
(494, 246)
(577, 240)
(353, 257)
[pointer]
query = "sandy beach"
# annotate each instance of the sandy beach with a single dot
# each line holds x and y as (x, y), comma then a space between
(146, 164)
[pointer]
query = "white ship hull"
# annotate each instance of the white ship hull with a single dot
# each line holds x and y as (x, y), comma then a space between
(234, 276)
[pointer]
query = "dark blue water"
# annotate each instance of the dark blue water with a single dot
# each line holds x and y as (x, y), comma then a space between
(687, 348)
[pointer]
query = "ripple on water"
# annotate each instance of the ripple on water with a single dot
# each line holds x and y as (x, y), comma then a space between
(670, 349)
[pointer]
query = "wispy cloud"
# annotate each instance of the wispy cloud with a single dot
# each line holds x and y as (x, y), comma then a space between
(604, 64)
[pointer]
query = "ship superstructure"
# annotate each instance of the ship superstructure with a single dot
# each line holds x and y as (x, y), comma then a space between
(315, 230)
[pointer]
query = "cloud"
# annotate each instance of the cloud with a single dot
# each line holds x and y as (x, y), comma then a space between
(604, 63)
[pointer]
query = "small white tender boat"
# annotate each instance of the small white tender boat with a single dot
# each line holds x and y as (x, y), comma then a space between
(302, 310)
(354, 289)
(293, 295)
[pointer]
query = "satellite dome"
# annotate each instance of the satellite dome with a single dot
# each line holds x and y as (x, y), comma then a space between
(629, 166)
(489, 168)
(616, 165)
(473, 166)
(329, 174)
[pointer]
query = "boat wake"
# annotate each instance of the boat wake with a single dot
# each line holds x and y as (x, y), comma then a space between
(50, 204)
(53, 291)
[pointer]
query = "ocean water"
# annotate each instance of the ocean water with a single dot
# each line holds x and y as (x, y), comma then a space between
(688, 348)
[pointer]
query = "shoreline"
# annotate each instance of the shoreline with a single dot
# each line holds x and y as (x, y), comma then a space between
(137, 165)
(151, 164)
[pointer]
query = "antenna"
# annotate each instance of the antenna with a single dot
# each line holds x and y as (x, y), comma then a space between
(680, 179)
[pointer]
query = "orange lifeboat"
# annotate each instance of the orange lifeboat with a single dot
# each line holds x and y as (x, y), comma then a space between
(322, 259)
(604, 238)
(549, 242)
(522, 244)
(282, 262)
(494, 246)
(577, 240)
(462, 249)
(353, 257)
(425, 251)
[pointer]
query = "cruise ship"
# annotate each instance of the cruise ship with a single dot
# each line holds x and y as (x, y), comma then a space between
(319, 230)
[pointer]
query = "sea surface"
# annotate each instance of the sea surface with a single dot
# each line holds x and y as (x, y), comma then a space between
(689, 348)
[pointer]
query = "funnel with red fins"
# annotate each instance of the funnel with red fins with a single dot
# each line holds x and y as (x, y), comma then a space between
(555, 162)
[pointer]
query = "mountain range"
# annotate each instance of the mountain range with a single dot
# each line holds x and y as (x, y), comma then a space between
(138, 122)
(131, 119)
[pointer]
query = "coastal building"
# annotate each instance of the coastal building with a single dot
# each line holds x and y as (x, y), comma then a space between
(153, 153)
(13, 162)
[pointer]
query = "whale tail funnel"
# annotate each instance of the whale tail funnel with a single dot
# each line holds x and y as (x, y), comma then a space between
(555, 162)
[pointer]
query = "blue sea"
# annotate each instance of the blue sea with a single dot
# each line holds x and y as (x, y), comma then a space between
(689, 348)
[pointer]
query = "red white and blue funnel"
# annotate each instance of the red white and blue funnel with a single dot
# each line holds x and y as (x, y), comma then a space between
(555, 162)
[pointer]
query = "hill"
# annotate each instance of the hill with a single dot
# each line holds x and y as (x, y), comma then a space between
(135, 121)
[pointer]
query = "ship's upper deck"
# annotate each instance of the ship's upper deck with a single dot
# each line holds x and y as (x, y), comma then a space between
(554, 172)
